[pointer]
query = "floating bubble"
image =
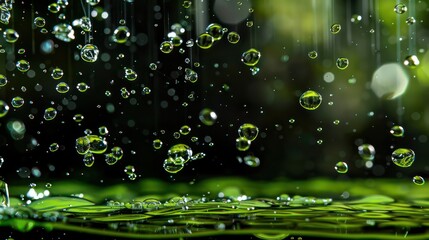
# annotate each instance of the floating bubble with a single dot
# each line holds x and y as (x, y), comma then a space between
(62, 87)
(366, 152)
(153, 66)
(23, 65)
(310, 100)
(89, 53)
(129, 169)
(335, 28)
(418, 180)
(403, 157)
(54, 8)
(157, 143)
(146, 91)
(215, 30)
(54, 147)
(186, 4)
(17, 102)
(336, 122)
(207, 116)
(103, 131)
(389, 81)
(84, 23)
(180, 150)
(4, 15)
(312, 54)
(64, 32)
(93, 2)
(410, 20)
(10, 35)
(39, 22)
(97, 144)
(4, 108)
(117, 152)
(342, 63)
(88, 159)
(198, 156)
(249, 24)
(57, 73)
(82, 87)
(110, 159)
(166, 47)
(397, 131)
(82, 145)
(47, 46)
(251, 57)
(341, 167)
(251, 161)
(185, 130)
(50, 114)
(400, 8)
(233, 37)
(176, 40)
(205, 41)
(411, 61)
(173, 165)
(121, 34)
(356, 18)
(248, 131)
(191, 75)
(4, 195)
(3, 80)
(78, 118)
(242, 143)
(17, 131)
(130, 74)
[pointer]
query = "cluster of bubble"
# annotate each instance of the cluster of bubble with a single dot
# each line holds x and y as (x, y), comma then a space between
(177, 156)
(247, 133)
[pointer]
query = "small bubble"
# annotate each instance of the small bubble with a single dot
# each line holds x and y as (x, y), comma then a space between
(3, 80)
(248, 131)
(153, 66)
(157, 143)
(93, 2)
(89, 53)
(50, 114)
(251, 57)
(342, 63)
(173, 165)
(176, 135)
(410, 20)
(249, 24)
(4, 108)
(185, 130)
(208, 117)
(39, 22)
(242, 143)
(336, 122)
(23, 65)
(57, 73)
(205, 41)
(166, 47)
(103, 131)
(17, 102)
(397, 131)
(82, 87)
(215, 30)
(53, 8)
(251, 161)
(341, 167)
(400, 8)
(418, 180)
(310, 100)
(88, 159)
(335, 28)
(312, 54)
(62, 87)
(366, 152)
(320, 141)
(121, 34)
(233, 37)
(130, 74)
(356, 18)
(53, 147)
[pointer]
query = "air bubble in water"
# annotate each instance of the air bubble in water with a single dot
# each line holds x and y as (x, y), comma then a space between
(205, 41)
(62, 87)
(10, 35)
(39, 22)
(410, 20)
(341, 167)
(335, 28)
(418, 180)
(173, 165)
(233, 37)
(342, 63)
(54, 8)
(82, 145)
(97, 144)
(4, 108)
(215, 30)
(17, 102)
(57, 73)
(157, 143)
(312, 54)
(93, 2)
(23, 65)
(310, 100)
(191, 75)
(185, 130)
(397, 131)
(180, 150)
(207, 117)
(248, 131)
(400, 8)
(166, 47)
(403, 157)
(130, 74)
(3, 80)
(89, 53)
(50, 114)
(251, 161)
(64, 32)
(356, 18)
(242, 143)
(121, 34)
(186, 4)
(251, 57)
(54, 147)
(88, 159)
(366, 152)
(82, 87)
(153, 66)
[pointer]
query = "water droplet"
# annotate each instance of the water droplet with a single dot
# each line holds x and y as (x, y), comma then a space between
(205, 41)
(185, 130)
(10, 35)
(400, 8)
(53, 8)
(251, 161)
(103, 131)
(153, 66)
(403, 157)
(242, 143)
(410, 20)
(78, 118)
(356, 18)
(341, 167)
(366, 152)
(3, 80)
(173, 165)
(320, 141)
(130, 74)
(157, 143)
(176, 40)
(335, 28)
(88, 159)
(117, 152)
(53, 147)
(64, 32)
(397, 131)
(191, 75)
(418, 180)
(251, 57)
(194, 139)
(233, 37)
(82, 145)
(146, 91)
(89, 53)
(248, 131)
(336, 122)
(121, 34)
(23, 65)
(310, 100)
(50, 114)
(129, 169)
(207, 117)
(187, 4)
(342, 63)
(180, 150)
(84, 23)
(166, 47)
(249, 24)
(82, 87)
(312, 54)
(17, 102)
(176, 135)
(411, 61)
(389, 81)
(4, 108)
(62, 87)
(93, 2)
(215, 30)
(39, 22)
(110, 159)
(57, 73)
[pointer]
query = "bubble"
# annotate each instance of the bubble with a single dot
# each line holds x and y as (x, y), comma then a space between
(173, 165)
(251, 57)
(57, 73)
(88, 159)
(312, 54)
(62, 87)
(4, 108)
(403, 157)
(124, 93)
(93, 2)
(397, 131)
(191, 75)
(23, 65)
(185, 130)
(400, 8)
(121, 34)
(3, 80)
(97, 144)
(53, 8)
(157, 143)
(356, 18)
(341, 167)
(186, 4)
(166, 47)
(418, 180)
(342, 63)
(389, 81)
(82, 87)
(310, 100)
(117, 152)
(50, 114)
(78, 118)
(410, 20)
(89, 53)
(103, 131)
(205, 41)
(17, 102)
(146, 91)
(242, 143)
(249, 24)
(64, 32)
(320, 141)
(129, 169)
(176, 40)
(84, 23)
(10, 35)
(215, 30)
(1, 161)
(54, 147)
(251, 161)
(130, 74)
(335, 28)
(82, 145)
(248, 131)
(39, 22)
(336, 122)
(21, 51)
(366, 152)
(153, 66)
(208, 117)
(411, 61)
(110, 159)
(233, 37)
(4, 15)
(180, 150)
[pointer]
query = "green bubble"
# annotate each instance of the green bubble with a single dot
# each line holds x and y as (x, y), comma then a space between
(397, 131)
(342, 63)
(418, 180)
(215, 30)
(57, 73)
(242, 144)
(310, 100)
(191, 75)
(366, 152)
(39, 22)
(335, 28)
(78, 118)
(3, 80)
(185, 130)
(205, 41)
(248, 131)
(117, 152)
(121, 34)
(400, 8)
(89, 53)
(251, 57)
(173, 165)
(4, 108)
(176, 40)
(251, 161)
(207, 117)
(17, 102)
(187, 4)
(82, 145)
(82, 87)
(341, 167)
(411, 61)
(180, 150)
(166, 47)
(50, 114)
(97, 144)
(312, 54)
(403, 157)
(54, 8)
(88, 159)
(62, 87)
(130, 74)
(53, 147)
(110, 159)
(23, 65)
(10, 35)
(157, 143)
(103, 131)
(233, 37)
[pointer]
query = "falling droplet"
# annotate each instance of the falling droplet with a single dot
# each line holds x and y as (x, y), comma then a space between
(205, 41)
(335, 28)
(403, 157)
(89, 53)
(397, 131)
(418, 180)
(341, 167)
(310, 100)
(342, 63)
(400, 8)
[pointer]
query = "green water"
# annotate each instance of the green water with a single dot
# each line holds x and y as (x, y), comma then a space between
(318, 208)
